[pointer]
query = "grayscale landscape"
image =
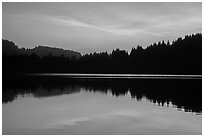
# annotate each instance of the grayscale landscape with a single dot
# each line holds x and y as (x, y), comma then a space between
(102, 68)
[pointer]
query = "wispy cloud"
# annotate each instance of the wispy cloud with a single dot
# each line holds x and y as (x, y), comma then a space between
(114, 114)
(74, 121)
(89, 27)
(117, 29)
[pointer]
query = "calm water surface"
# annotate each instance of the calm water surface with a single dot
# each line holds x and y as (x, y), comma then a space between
(64, 105)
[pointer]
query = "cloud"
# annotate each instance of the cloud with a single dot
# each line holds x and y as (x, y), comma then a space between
(117, 29)
(75, 121)
(71, 122)
(89, 27)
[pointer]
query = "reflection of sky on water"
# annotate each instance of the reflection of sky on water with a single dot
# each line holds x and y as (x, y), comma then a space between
(94, 113)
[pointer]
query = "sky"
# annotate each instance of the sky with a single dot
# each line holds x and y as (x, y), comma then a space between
(97, 27)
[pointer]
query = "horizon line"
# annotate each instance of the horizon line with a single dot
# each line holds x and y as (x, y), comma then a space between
(100, 75)
(82, 54)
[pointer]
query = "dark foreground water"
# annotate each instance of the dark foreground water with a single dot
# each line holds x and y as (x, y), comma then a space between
(64, 104)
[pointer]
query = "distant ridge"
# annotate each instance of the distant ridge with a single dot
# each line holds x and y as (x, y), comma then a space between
(181, 57)
(9, 48)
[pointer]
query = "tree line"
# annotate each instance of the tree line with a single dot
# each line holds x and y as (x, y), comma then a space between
(182, 56)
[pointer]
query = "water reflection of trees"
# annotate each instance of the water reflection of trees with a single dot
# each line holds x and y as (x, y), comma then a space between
(185, 94)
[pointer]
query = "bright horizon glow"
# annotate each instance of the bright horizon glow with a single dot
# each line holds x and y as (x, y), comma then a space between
(125, 76)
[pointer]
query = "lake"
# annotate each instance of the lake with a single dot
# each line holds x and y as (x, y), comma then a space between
(78, 104)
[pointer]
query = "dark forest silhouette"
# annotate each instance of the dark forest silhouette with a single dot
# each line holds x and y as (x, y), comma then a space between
(183, 56)
(186, 94)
